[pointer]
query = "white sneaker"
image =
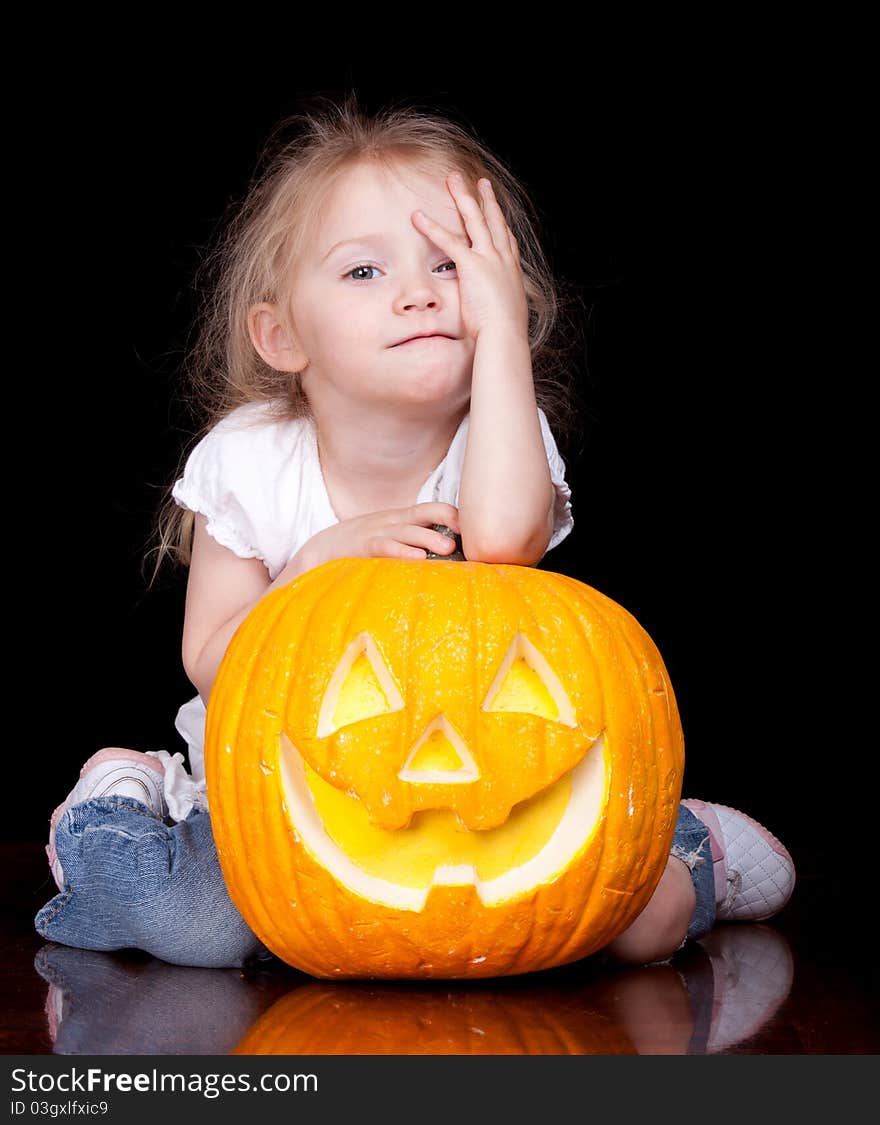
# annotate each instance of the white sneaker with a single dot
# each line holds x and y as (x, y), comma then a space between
(113, 771)
(754, 873)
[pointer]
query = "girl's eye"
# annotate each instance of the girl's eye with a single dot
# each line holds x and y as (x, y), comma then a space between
(355, 269)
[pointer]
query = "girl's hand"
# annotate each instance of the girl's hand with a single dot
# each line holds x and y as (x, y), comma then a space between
(490, 279)
(401, 533)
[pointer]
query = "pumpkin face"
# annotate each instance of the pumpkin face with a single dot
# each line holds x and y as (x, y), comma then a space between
(427, 770)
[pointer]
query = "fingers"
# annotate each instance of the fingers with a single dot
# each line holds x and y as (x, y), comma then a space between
(408, 533)
(427, 537)
(433, 511)
(484, 221)
(480, 233)
(410, 541)
(448, 242)
(497, 224)
(389, 548)
(485, 215)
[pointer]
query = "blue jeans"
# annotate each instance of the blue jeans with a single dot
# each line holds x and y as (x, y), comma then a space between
(133, 881)
(691, 845)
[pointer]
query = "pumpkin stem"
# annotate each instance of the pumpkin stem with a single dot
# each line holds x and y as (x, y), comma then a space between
(457, 555)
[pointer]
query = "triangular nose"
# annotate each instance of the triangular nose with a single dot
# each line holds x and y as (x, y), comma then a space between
(439, 756)
(435, 753)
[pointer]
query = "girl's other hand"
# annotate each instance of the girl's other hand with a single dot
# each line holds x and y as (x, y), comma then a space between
(400, 533)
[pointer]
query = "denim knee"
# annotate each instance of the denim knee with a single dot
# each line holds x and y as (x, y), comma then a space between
(690, 844)
(133, 881)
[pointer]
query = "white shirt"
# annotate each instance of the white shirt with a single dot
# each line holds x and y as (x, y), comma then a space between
(258, 482)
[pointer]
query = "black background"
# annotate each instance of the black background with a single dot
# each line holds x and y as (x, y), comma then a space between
(670, 201)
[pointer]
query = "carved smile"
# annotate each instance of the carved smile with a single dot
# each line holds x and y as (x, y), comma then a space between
(398, 868)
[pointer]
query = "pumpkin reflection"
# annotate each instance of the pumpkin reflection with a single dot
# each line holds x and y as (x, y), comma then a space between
(362, 1019)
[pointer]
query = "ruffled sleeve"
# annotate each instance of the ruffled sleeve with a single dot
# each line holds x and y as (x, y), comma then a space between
(212, 485)
(250, 478)
(562, 517)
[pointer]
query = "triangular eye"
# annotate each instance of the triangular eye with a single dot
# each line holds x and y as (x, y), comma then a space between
(361, 687)
(526, 683)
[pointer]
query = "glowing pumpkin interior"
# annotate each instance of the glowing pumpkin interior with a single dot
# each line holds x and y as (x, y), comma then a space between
(398, 867)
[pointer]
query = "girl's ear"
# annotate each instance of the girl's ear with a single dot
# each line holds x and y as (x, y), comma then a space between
(273, 341)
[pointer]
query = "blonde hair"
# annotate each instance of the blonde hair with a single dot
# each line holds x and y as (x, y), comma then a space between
(251, 262)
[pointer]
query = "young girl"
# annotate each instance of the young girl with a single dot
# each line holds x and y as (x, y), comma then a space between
(379, 360)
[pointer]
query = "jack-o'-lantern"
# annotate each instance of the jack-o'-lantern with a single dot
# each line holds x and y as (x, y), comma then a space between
(426, 769)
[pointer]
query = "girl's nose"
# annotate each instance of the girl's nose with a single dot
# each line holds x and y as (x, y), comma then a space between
(419, 303)
(418, 292)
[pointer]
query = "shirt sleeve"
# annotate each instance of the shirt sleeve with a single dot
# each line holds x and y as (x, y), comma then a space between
(562, 517)
(216, 484)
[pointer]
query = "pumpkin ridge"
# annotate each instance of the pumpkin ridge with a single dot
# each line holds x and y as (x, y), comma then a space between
(251, 811)
(545, 952)
(415, 611)
(351, 594)
(576, 624)
(313, 904)
(515, 585)
(630, 631)
(635, 760)
(482, 603)
(303, 915)
(527, 598)
(647, 655)
(616, 829)
(562, 952)
(550, 956)
(622, 625)
(475, 655)
(229, 796)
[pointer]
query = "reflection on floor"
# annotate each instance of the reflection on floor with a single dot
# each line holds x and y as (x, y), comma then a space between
(764, 988)
(710, 1000)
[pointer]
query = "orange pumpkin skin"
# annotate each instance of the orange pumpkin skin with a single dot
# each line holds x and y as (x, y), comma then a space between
(442, 632)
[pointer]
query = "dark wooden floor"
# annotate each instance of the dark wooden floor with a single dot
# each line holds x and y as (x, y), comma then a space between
(801, 984)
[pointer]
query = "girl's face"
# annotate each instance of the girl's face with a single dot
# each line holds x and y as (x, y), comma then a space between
(369, 279)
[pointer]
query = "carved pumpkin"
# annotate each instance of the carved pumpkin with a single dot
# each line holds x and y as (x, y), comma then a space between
(423, 770)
